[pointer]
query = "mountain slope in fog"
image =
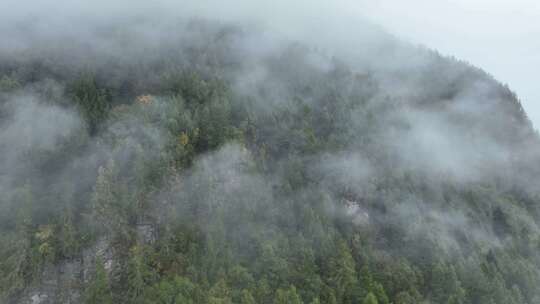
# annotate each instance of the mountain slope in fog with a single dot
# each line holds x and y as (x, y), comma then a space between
(201, 162)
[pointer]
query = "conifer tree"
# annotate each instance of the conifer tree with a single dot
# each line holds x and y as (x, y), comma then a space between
(370, 299)
(99, 290)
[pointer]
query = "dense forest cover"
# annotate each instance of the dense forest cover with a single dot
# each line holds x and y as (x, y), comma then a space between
(202, 162)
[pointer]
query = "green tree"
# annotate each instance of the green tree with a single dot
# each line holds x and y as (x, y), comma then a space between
(99, 290)
(67, 235)
(289, 296)
(220, 293)
(370, 299)
(444, 284)
(179, 290)
(246, 297)
(109, 201)
(92, 101)
(8, 84)
(404, 298)
(371, 286)
(342, 277)
(139, 276)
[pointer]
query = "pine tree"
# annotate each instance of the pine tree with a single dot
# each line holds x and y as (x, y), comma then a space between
(8, 84)
(138, 276)
(404, 298)
(99, 291)
(371, 286)
(68, 235)
(370, 299)
(108, 200)
(92, 101)
(220, 293)
(289, 296)
(445, 285)
(246, 297)
(315, 301)
(342, 271)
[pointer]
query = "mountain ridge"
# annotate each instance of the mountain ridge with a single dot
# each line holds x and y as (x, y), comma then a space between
(197, 162)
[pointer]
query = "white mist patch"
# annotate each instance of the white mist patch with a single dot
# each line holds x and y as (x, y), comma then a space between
(224, 172)
(434, 144)
(31, 126)
(225, 168)
(350, 170)
(419, 219)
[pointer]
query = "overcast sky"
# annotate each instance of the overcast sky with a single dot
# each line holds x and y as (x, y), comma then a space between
(500, 36)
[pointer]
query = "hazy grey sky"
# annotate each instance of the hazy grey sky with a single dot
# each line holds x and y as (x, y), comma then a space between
(500, 36)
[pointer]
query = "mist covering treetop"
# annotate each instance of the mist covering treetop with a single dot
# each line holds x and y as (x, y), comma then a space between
(174, 157)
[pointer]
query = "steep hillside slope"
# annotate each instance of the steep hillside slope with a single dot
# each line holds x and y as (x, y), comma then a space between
(197, 162)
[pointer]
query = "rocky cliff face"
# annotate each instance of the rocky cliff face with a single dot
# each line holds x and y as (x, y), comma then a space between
(63, 282)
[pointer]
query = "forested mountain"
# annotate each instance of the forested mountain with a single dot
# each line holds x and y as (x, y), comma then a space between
(197, 161)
